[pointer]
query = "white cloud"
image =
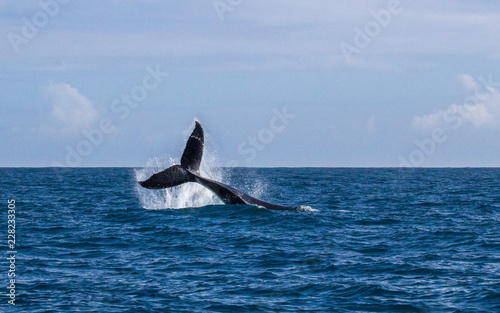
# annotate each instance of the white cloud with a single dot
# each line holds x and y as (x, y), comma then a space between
(481, 108)
(428, 121)
(75, 111)
(469, 82)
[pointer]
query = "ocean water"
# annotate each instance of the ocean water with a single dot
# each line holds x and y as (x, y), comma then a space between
(377, 240)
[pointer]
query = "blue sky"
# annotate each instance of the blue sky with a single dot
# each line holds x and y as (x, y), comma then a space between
(274, 83)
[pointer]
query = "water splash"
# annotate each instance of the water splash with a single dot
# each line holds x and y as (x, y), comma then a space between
(184, 196)
(257, 188)
(190, 195)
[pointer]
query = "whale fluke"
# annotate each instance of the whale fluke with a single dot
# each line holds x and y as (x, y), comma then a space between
(190, 162)
(191, 158)
(171, 177)
(189, 171)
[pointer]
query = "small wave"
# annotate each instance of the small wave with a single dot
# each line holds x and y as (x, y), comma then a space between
(343, 211)
(306, 208)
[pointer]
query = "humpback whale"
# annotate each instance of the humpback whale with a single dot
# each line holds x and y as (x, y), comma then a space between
(189, 171)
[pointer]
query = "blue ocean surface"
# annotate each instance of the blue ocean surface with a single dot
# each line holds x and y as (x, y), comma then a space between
(373, 240)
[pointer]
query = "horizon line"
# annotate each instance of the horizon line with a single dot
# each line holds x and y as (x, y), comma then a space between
(270, 167)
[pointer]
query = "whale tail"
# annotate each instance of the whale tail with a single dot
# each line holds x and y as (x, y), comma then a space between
(191, 158)
(189, 171)
(183, 173)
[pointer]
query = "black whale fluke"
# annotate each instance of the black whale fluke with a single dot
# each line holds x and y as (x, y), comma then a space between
(171, 177)
(189, 171)
(191, 158)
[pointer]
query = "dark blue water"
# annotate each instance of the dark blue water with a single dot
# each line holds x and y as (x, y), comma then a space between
(383, 240)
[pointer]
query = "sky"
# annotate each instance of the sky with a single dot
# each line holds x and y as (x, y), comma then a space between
(282, 83)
